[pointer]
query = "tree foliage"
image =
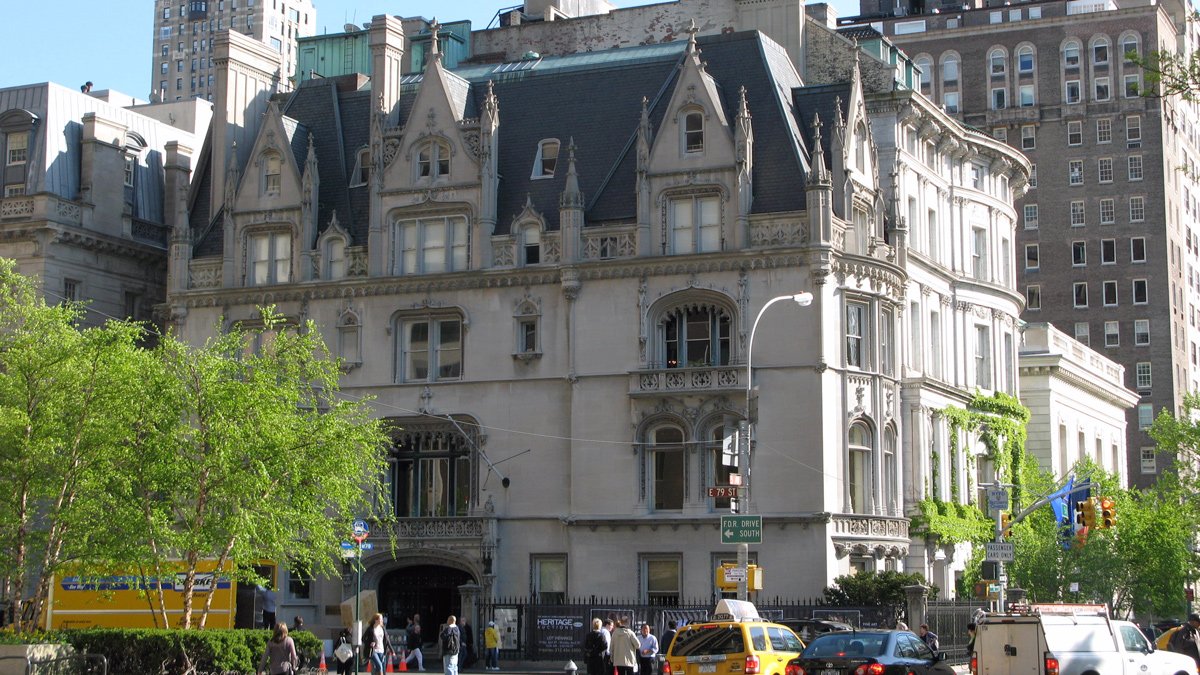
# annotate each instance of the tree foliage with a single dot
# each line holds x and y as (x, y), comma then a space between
(115, 458)
(1171, 74)
(868, 589)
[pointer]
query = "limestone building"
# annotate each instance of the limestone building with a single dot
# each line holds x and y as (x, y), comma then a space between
(552, 294)
(1107, 247)
(184, 31)
(89, 187)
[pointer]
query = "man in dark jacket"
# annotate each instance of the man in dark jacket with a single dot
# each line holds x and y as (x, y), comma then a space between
(1186, 639)
(664, 645)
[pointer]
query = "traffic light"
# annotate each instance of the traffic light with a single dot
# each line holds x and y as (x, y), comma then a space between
(1005, 524)
(1108, 513)
(1085, 512)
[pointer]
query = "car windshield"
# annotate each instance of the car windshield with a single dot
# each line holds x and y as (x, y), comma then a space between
(846, 644)
(709, 640)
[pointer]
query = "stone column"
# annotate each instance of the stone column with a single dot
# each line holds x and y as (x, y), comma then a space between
(916, 597)
(468, 595)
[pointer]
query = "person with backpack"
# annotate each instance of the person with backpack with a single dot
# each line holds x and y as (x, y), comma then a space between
(451, 641)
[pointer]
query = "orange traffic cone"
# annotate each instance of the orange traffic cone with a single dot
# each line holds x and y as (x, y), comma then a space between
(321, 667)
(389, 665)
(403, 663)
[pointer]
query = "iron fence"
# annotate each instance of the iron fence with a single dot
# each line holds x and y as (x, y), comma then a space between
(949, 619)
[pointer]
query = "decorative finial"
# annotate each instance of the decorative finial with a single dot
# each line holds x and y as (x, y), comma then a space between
(691, 30)
(434, 29)
(743, 108)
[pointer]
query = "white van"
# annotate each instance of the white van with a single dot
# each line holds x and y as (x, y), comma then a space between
(1068, 640)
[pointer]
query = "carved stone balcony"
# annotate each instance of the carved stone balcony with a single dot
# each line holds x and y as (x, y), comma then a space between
(879, 536)
(469, 527)
(697, 380)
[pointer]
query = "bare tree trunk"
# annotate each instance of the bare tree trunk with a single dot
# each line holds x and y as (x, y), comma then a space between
(216, 575)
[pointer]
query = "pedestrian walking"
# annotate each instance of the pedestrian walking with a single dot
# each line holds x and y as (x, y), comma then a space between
(413, 639)
(624, 648)
(929, 637)
(377, 644)
(279, 658)
(1186, 640)
(491, 642)
(266, 599)
(467, 658)
(647, 651)
(343, 652)
(595, 645)
(451, 641)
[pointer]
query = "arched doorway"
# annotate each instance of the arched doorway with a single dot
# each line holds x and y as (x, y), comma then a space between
(428, 590)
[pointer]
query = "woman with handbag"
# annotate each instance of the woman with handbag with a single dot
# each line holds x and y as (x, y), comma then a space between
(343, 651)
(279, 658)
(377, 644)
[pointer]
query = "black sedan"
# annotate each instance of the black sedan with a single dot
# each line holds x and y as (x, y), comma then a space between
(869, 652)
(809, 629)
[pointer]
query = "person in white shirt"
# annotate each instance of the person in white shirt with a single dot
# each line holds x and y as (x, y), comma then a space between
(647, 651)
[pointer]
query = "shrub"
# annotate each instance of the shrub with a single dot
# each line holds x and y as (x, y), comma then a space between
(148, 650)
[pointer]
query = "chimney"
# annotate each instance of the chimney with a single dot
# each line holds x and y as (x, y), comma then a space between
(248, 74)
(387, 63)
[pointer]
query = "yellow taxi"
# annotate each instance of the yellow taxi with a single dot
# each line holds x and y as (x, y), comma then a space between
(736, 641)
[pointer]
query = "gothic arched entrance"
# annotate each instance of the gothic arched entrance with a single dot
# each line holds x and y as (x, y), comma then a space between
(428, 590)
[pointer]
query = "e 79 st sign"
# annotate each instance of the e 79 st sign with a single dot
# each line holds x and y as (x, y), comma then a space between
(741, 529)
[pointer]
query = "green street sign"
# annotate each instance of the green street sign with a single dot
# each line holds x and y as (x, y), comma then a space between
(741, 529)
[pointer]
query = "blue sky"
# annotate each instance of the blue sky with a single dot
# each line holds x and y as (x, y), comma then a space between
(108, 41)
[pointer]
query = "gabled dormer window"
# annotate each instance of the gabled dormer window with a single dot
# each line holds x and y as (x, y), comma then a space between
(693, 132)
(362, 168)
(547, 159)
(433, 160)
(272, 173)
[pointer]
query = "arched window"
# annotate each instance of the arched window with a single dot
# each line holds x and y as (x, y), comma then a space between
(722, 446)
(889, 470)
(531, 245)
(1025, 60)
(665, 455)
(1130, 49)
(997, 63)
(349, 339)
(362, 168)
(858, 473)
(1100, 51)
(860, 149)
(272, 171)
(430, 471)
(1071, 55)
(696, 335)
(693, 132)
(433, 159)
(547, 159)
(950, 71)
(925, 65)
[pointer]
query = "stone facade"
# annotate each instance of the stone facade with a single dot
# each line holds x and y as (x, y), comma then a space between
(556, 312)
(1107, 247)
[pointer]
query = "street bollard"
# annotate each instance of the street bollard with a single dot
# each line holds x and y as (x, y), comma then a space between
(570, 668)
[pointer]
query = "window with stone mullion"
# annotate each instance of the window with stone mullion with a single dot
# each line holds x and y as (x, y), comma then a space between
(696, 336)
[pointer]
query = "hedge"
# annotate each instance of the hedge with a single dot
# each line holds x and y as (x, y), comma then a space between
(167, 652)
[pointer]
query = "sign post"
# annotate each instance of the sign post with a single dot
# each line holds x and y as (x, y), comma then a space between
(360, 531)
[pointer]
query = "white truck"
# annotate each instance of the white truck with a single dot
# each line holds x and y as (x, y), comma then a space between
(1068, 640)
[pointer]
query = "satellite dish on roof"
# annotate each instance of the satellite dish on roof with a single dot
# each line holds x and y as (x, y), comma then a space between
(351, 28)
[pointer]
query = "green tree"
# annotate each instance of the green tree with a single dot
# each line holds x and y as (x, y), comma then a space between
(1169, 73)
(867, 589)
(245, 451)
(63, 404)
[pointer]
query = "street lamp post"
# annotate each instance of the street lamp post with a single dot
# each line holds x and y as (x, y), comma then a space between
(743, 560)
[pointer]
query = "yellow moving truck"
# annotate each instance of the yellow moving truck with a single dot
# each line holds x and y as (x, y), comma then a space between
(131, 600)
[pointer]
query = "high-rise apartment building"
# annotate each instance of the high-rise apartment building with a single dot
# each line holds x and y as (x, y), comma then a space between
(183, 39)
(1107, 242)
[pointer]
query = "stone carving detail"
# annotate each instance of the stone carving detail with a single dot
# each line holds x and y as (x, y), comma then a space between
(69, 210)
(16, 207)
(778, 233)
(690, 379)
(206, 273)
(855, 525)
(390, 148)
(356, 258)
(600, 246)
(503, 252)
(471, 139)
(552, 249)
(439, 528)
(148, 232)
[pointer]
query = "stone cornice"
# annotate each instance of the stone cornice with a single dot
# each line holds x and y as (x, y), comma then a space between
(634, 268)
(84, 239)
(1057, 366)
